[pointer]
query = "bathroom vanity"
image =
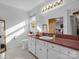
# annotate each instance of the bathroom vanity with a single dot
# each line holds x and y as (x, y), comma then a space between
(58, 48)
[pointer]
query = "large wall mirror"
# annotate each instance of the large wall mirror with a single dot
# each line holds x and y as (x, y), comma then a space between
(72, 26)
(56, 25)
(2, 36)
(59, 25)
(75, 23)
(44, 27)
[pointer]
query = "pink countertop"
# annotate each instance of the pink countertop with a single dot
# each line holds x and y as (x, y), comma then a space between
(74, 44)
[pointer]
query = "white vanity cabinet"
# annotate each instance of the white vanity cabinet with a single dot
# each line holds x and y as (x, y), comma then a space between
(47, 50)
(41, 49)
(59, 52)
(31, 45)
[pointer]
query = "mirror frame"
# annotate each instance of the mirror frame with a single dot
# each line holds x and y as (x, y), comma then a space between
(4, 49)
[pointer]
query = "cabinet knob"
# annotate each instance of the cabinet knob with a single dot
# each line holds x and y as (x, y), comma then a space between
(68, 52)
(47, 50)
(52, 46)
(40, 49)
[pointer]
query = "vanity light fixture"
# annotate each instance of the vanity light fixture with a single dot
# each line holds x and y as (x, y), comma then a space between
(51, 6)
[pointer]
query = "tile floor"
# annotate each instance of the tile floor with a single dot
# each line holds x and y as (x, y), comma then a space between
(17, 52)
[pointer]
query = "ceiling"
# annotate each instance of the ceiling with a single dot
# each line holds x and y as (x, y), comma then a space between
(22, 4)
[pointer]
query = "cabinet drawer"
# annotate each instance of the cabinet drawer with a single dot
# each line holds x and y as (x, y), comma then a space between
(64, 50)
(54, 47)
(69, 52)
(63, 56)
(41, 43)
(33, 40)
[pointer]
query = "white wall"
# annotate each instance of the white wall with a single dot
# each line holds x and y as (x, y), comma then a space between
(14, 16)
(59, 12)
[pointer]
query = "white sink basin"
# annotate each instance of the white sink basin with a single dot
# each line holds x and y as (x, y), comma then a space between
(45, 37)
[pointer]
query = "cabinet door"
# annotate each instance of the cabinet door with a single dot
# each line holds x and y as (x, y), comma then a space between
(41, 49)
(68, 53)
(57, 52)
(43, 54)
(31, 45)
(52, 52)
(37, 48)
(77, 55)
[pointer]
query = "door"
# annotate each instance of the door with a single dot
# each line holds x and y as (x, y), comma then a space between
(52, 25)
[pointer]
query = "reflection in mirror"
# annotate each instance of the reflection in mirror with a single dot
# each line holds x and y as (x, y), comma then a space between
(44, 27)
(77, 24)
(56, 25)
(74, 20)
(59, 25)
